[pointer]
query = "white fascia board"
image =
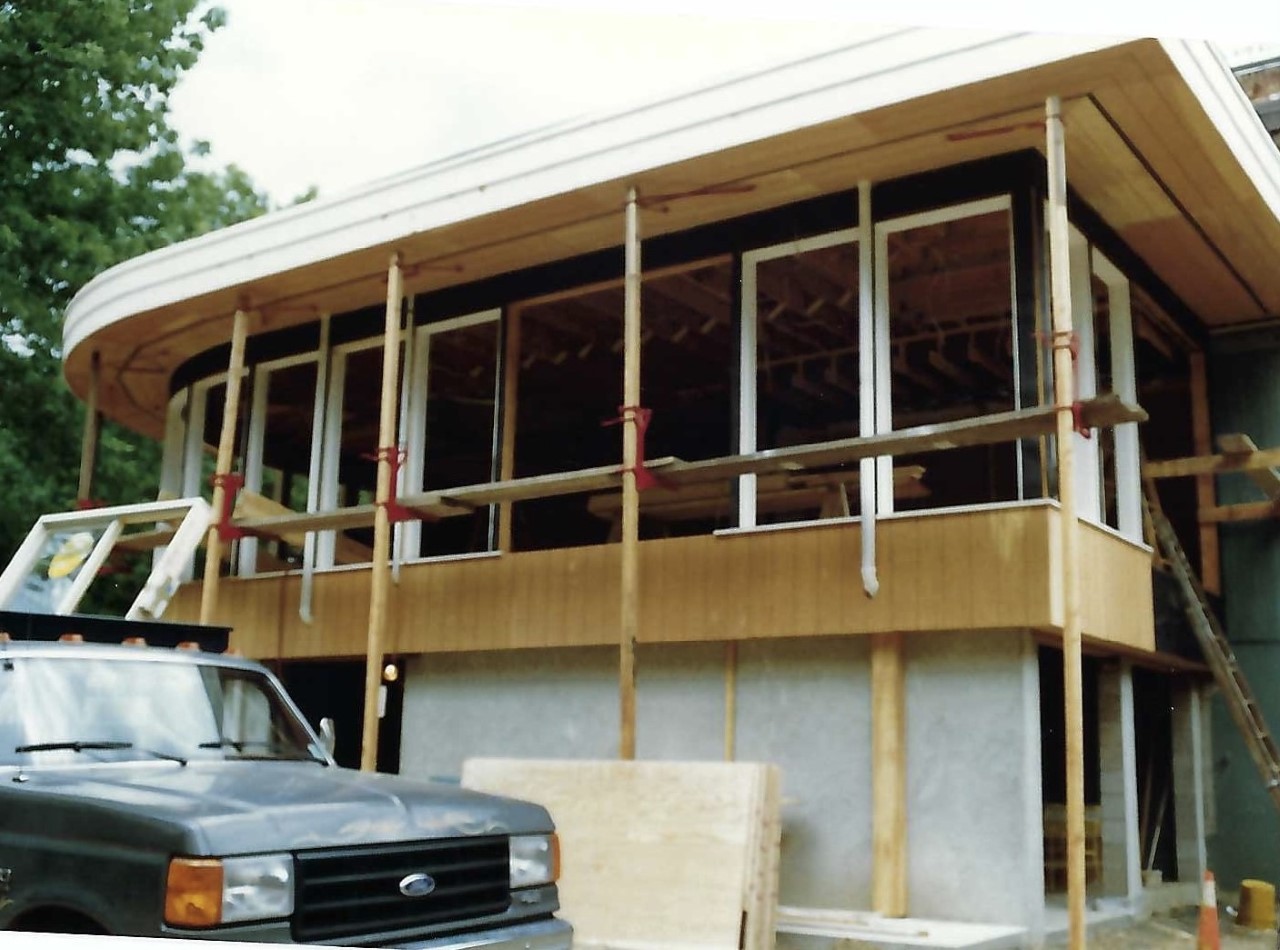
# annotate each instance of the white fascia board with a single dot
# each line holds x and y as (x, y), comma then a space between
(1220, 94)
(890, 66)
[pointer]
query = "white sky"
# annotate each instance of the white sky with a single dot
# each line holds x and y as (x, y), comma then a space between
(339, 92)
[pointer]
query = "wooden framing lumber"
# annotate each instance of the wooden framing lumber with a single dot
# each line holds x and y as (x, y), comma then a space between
(1064, 394)
(730, 700)
(92, 430)
(1206, 490)
(699, 840)
(510, 410)
(630, 584)
(1245, 511)
(1238, 446)
(888, 777)
(222, 468)
(1200, 465)
(380, 581)
(1106, 410)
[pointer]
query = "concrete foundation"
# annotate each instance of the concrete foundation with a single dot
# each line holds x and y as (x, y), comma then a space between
(973, 749)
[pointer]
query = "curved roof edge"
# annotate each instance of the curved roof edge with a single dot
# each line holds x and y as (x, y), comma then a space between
(887, 67)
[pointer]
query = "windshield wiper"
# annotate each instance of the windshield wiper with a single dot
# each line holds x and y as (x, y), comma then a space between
(77, 745)
(238, 744)
(241, 744)
(91, 745)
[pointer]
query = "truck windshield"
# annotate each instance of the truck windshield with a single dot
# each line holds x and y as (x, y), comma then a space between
(75, 710)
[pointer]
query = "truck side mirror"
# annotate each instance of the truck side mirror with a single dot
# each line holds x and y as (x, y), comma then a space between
(328, 736)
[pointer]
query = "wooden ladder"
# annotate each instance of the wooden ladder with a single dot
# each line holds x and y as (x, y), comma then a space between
(1235, 690)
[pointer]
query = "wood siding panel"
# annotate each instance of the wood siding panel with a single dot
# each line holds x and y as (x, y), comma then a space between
(1115, 583)
(947, 571)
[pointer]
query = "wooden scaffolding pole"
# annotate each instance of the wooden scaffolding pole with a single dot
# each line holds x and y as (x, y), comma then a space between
(222, 468)
(1064, 396)
(630, 599)
(380, 581)
(888, 777)
(92, 430)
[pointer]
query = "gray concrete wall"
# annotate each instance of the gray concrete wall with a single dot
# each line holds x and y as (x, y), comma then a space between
(973, 748)
(974, 810)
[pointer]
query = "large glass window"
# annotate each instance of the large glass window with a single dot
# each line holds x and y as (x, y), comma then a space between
(569, 384)
(944, 288)
(800, 343)
(278, 460)
(452, 421)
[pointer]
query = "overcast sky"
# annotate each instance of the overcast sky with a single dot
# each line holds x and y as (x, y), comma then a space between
(336, 93)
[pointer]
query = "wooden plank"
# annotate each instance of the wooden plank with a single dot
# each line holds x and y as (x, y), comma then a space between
(92, 429)
(888, 776)
(1206, 489)
(1237, 446)
(1245, 511)
(1064, 381)
(1212, 464)
(222, 467)
(698, 839)
(380, 581)
(510, 408)
(252, 505)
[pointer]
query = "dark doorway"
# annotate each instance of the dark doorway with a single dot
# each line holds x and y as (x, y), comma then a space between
(335, 688)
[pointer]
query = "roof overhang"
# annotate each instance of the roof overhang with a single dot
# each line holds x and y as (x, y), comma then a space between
(1161, 142)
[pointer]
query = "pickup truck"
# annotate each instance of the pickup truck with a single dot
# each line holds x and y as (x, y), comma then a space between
(171, 791)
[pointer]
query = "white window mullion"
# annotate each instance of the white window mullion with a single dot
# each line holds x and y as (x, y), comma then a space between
(247, 552)
(1124, 382)
(315, 470)
(747, 381)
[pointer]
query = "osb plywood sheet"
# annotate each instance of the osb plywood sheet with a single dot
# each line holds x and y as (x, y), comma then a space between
(656, 854)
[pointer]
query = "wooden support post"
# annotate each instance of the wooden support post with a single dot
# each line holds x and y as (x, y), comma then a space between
(226, 446)
(630, 605)
(510, 406)
(92, 430)
(888, 777)
(1206, 493)
(1064, 395)
(730, 700)
(380, 581)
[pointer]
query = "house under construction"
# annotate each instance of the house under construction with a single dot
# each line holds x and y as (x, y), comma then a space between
(861, 416)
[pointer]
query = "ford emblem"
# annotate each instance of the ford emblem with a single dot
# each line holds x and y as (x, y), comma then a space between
(417, 885)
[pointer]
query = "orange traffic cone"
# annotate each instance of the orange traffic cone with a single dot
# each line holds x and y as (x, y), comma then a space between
(1207, 937)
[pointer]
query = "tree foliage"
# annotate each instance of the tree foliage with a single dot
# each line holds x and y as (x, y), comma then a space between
(91, 173)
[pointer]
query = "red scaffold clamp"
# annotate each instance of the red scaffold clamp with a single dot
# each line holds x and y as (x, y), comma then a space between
(645, 479)
(394, 456)
(230, 483)
(1070, 340)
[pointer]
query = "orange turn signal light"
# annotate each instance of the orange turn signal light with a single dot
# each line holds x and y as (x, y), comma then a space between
(193, 893)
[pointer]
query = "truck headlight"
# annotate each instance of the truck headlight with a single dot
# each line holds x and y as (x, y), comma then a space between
(535, 859)
(206, 892)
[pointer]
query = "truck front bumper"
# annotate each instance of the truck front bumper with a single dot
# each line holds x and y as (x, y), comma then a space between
(549, 934)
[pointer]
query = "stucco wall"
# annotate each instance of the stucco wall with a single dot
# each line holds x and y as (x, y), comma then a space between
(973, 748)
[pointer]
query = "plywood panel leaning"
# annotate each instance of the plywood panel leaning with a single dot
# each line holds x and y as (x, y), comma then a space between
(656, 854)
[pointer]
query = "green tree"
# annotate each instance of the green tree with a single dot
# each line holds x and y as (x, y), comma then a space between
(91, 173)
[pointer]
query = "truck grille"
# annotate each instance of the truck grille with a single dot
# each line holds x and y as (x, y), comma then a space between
(346, 892)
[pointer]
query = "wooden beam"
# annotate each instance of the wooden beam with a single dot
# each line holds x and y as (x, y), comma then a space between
(222, 467)
(1237, 446)
(510, 408)
(1245, 511)
(730, 700)
(1064, 394)
(1206, 489)
(888, 777)
(1200, 465)
(380, 581)
(630, 599)
(92, 430)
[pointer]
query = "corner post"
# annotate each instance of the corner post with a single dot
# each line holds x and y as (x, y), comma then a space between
(92, 430)
(1063, 396)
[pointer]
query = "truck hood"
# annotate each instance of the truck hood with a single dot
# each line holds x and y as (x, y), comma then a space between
(252, 807)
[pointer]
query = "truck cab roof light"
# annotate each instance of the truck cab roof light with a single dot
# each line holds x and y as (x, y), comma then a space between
(4, 637)
(71, 638)
(187, 645)
(134, 641)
